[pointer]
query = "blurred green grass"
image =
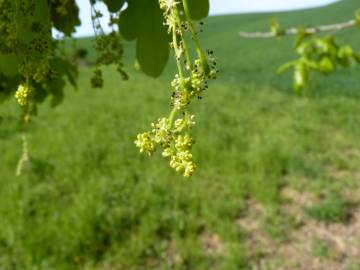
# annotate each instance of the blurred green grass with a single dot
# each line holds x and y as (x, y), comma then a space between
(89, 200)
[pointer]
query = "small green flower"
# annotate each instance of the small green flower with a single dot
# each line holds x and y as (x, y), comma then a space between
(23, 94)
(145, 143)
(189, 169)
(182, 162)
(168, 152)
(186, 122)
(161, 131)
(183, 143)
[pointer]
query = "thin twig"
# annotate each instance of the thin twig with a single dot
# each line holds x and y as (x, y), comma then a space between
(24, 156)
(306, 31)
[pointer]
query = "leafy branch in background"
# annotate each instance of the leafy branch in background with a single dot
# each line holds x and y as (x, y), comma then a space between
(108, 47)
(316, 54)
(276, 30)
(321, 55)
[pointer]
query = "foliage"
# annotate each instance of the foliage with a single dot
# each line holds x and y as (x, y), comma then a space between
(28, 54)
(322, 55)
(81, 53)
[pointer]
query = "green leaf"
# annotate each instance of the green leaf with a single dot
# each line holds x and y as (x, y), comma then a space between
(326, 65)
(300, 36)
(31, 25)
(130, 18)
(326, 46)
(304, 48)
(198, 9)
(310, 63)
(152, 54)
(345, 52)
(9, 64)
(275, 27)
(63, 67)
(346, 56)
(357, 17)
(143, 21)
(114, 5)
(152, 48)
(7, 87)
(285, 67)
(66, 23)
(301, 77)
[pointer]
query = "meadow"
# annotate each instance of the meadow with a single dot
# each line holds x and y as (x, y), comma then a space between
(277, 186)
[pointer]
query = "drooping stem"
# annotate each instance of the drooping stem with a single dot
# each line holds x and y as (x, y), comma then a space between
(178, 54)
(172, 116)
(184, 42)
(24, 156)
(195, 38)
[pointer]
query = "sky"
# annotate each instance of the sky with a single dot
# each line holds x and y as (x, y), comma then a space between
(217, 7)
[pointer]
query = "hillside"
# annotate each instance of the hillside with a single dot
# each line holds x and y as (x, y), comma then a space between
(245, 61)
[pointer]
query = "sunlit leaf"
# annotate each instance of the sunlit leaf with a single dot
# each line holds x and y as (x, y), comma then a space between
(326, 65)
(143, 21)
(152, 49)
(199, 9)
(300, 77)
(285, 67)
(130, 18)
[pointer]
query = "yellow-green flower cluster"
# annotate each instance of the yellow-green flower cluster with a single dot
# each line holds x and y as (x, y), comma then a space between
(173, 136)
(22, 95)
(181, 159)
(161, 131)
(175, 141)
(186, 122)
(169, 6)
(193, 85)
(145, 143)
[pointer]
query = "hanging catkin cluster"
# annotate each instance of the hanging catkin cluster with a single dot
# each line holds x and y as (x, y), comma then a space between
(172, 134)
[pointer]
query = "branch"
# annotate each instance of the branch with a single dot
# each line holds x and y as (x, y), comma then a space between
(306, 31)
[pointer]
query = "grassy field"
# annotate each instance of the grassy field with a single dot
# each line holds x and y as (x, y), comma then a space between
(277, 187)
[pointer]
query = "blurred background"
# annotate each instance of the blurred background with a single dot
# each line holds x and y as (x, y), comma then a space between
(217, 7)
(278, 177)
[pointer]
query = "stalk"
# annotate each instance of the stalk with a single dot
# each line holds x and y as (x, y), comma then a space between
(193, 33)
(186, 47)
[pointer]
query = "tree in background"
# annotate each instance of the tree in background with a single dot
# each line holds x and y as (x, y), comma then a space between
(316, 54)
